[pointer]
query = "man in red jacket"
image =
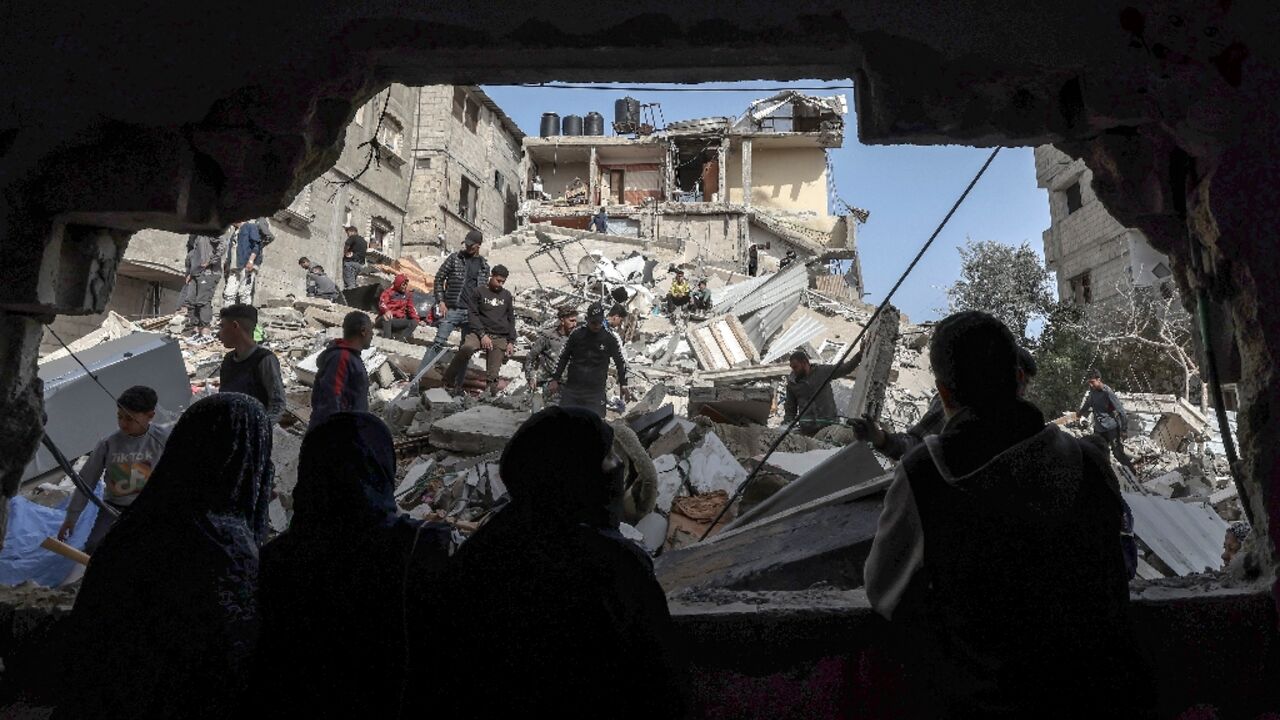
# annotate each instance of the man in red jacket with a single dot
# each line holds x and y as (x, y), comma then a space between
(397, 317)
(342, 382)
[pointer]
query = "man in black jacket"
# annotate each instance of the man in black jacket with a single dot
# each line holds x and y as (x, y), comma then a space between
(491, 327)
(249, 368)
(971, 521)
(342, 383)
(586, 356)
(353, 257)
(459, 274)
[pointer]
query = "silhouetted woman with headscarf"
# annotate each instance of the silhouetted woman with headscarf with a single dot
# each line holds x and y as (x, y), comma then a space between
(333, 592)
(166, 620)
(551, 611)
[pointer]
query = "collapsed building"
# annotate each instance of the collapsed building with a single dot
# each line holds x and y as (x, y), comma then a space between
(1166, 105)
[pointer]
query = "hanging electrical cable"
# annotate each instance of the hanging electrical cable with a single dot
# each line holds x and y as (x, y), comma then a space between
(849, 349)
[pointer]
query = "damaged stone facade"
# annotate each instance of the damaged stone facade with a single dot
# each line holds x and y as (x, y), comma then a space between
(1093, 256)
(466, 161)
(717, 184)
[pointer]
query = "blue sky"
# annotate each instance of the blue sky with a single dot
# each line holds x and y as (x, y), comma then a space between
(907, 189)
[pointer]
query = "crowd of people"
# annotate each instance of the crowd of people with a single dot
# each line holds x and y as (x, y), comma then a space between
(348, 611)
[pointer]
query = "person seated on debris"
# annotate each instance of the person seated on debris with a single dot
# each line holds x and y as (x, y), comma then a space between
(808, 382)
(325, 287)
(1109, 418)
(397, 315)
(1234, 540)
(249, 368)
(545, 350)
(307, 279)
(700, 299)
(585, 357)
(123, 459)
(165, 622)
(678, 295)
(896, 445)
(460, 274)
(998, 552)
(548, 595)
(787, 259)
(491, 326)
(342, 383)
(335, 587)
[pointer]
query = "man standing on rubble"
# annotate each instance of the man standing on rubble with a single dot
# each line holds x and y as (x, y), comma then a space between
(753, 260)
(244, 255)
(586, 356)
(1109, 418)
(342, 382)
(249, 368)
(458, 276)
(491, 327)
(353, 257)
(545, 351)
(998, 552)
(807, 381)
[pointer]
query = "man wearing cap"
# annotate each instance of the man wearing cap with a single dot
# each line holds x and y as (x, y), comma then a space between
(546, 348)
(1109, 418)
(459, 274)
(353, 252)
(491, 326)
(586, 356)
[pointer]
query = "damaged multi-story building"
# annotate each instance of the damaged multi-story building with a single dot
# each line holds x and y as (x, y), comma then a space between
(1093, 256)
(717, 184)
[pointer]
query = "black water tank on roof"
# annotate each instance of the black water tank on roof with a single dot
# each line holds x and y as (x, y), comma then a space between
(594, 124)
(572, 125)
(550, 125)
(626, 114)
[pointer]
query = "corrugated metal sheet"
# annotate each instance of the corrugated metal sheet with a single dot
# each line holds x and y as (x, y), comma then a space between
(764, 324)
(780, 286)
(1186, 536)
(727, 296)
(805, 329)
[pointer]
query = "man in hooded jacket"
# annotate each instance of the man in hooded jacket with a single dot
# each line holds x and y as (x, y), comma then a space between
(397, 316)
(973, 518)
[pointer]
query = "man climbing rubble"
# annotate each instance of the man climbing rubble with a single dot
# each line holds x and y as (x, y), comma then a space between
(895, 446)
(460, 273)
(969, 526)
(545, 351)
(342, 382)
(491, 327)
(1109, 418)
(586, 356)
(807, 380)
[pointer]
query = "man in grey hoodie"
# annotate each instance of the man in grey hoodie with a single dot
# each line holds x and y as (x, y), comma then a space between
(1109, 419)
(971, 521)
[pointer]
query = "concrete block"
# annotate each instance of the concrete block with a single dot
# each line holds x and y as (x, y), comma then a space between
(400, 413)
(828, 543)
(481, 429)
(285, 448)
(438, 396)
(670, 442)
(670, 482)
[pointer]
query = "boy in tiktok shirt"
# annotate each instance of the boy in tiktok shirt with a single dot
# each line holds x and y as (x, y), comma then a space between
(126, 457)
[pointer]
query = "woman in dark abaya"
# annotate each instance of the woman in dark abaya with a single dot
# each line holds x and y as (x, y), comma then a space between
(550, 609)
(338, 586)
(165, 621)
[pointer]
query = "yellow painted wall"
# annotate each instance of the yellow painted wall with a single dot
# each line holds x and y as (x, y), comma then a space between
(789, 179)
